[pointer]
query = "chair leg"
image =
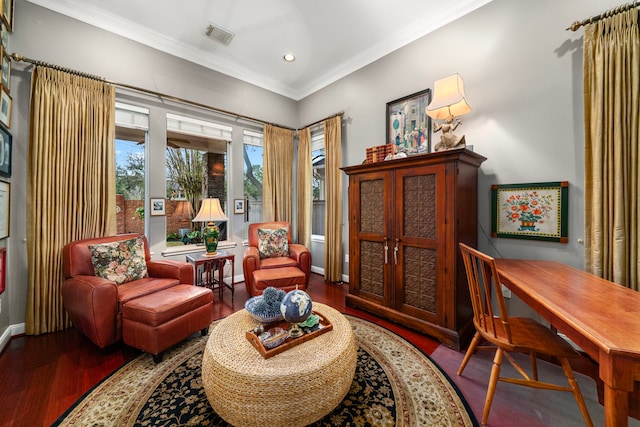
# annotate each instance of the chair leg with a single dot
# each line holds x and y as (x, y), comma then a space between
(470, 351)
(493, 382)
(568, 372)
(534, 365)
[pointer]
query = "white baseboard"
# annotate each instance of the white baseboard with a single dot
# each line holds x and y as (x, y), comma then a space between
(318, 270)
(9, 332)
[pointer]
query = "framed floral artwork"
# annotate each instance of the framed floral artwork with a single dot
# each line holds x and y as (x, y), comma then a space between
(535, 211)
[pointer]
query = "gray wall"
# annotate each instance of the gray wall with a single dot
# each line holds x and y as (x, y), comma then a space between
(522, 72)
(523, 79)
(47, 36)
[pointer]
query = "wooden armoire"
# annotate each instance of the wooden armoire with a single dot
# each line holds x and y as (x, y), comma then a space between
(406, 217)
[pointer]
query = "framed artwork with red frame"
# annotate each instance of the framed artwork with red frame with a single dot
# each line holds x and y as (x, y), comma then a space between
(3, 269)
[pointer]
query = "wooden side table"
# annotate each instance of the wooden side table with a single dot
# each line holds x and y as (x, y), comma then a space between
(206, 275)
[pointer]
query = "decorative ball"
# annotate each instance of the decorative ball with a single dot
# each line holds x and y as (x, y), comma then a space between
(296, 306)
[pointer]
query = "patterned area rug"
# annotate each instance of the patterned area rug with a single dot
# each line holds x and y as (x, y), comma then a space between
(395, 385)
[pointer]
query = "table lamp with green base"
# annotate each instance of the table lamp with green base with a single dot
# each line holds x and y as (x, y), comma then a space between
(210, 211)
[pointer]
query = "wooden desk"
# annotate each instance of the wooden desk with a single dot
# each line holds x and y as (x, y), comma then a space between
(206, 276)
(601, 317)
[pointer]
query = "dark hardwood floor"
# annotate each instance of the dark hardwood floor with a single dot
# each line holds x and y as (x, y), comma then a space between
(42, 376)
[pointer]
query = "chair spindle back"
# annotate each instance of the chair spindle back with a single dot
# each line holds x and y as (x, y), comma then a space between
(484, 282)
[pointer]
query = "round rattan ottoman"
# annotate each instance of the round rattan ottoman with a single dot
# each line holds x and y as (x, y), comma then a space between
(293, 388)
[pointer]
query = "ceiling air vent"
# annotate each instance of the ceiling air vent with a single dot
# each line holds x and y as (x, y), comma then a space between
(218, 33)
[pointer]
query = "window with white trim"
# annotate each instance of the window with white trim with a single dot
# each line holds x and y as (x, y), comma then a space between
(318, 184)
(252, 161)
(132, 125)
(196, 168)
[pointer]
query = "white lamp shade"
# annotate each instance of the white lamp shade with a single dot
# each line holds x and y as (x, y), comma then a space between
(448, 98)
(210, 210)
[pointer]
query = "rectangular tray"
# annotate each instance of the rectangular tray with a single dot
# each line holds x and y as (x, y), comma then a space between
(325, 326)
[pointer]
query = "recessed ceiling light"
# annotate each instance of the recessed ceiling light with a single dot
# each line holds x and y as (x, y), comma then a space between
(289, 57)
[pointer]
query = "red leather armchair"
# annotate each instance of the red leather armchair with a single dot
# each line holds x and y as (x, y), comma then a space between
(283, 272)
(94, 304)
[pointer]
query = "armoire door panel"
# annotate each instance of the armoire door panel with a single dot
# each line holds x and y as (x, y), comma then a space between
(367, 245)
(372, 269)
(372, 201)
(419, 206)
(422, 196)
(419, 278)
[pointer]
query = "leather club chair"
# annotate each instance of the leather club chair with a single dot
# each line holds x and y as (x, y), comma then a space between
(284, 271)
(95, 304)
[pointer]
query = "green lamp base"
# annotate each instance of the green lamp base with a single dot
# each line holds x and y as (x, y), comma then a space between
(210, 234)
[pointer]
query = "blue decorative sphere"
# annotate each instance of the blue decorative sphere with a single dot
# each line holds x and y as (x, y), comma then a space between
(296, 306)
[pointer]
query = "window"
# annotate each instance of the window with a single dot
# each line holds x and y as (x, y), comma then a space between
(196, 169)
(132, 124)
(252, 154)
(318, 184)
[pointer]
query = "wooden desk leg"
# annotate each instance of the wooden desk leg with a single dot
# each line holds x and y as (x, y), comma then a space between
(616, 407)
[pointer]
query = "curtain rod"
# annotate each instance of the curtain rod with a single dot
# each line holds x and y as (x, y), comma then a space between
(20, 58)
(341, 113)
(607, 14)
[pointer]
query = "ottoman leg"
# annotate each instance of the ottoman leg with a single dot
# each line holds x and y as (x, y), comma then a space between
(157, 358)
(205, 331)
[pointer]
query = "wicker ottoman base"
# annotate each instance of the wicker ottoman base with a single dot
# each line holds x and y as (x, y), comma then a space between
(294, 388)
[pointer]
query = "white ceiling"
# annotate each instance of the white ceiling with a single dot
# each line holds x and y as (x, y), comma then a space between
(330, 38)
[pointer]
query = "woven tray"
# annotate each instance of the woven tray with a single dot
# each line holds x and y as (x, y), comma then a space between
(325, 326)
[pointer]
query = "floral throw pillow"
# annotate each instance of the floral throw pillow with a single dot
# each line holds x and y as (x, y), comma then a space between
(120, 262)
(272, 242)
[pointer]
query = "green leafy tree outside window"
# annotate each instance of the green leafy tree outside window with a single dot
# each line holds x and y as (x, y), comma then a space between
(185, 170)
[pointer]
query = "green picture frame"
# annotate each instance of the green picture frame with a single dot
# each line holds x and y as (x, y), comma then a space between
(536, 211)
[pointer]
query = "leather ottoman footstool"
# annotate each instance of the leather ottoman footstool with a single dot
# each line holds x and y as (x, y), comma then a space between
(155, 322)
(287, 278)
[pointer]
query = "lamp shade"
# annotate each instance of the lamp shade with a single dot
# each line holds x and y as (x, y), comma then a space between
(210, 210)
(448, 98)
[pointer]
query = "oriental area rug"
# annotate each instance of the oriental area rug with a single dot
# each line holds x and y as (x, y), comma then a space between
(395, 385)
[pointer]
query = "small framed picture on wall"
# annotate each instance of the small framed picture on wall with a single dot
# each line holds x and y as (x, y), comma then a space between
(7, 14)
(157, 207)
(238, 206)
(6, 142)
(6, 69)
(4, 34)
(5, 189)
(3, 269)
(5, 107)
